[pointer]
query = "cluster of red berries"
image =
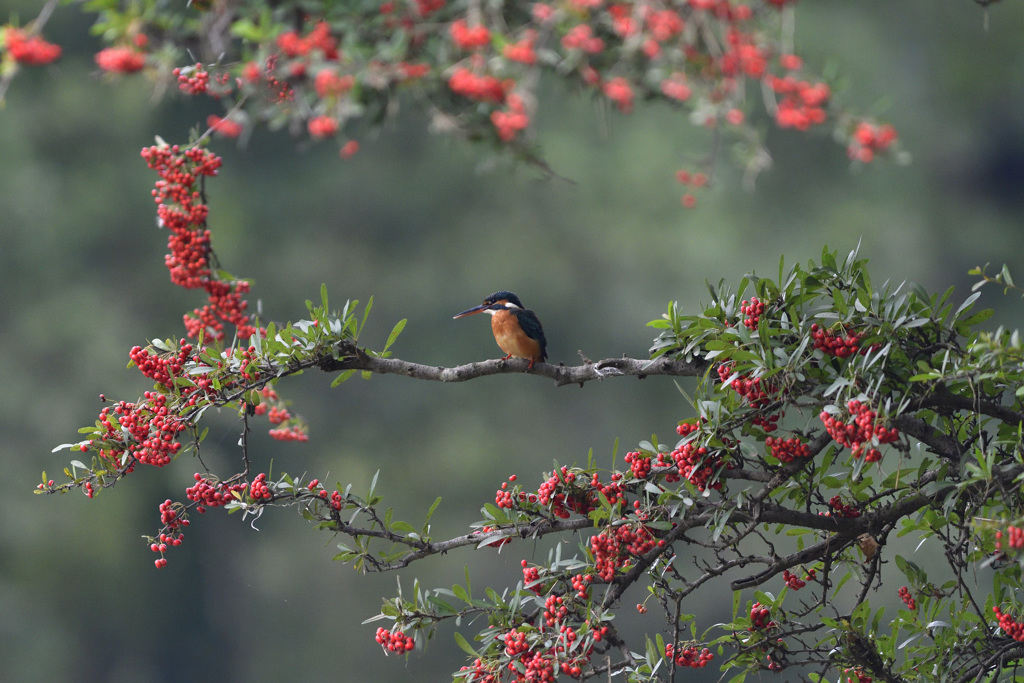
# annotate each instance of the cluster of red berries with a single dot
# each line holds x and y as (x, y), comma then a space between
(193, 80)
(277, 415)
(683, 177)
(322, 126)
(760, 617)
(753, 310)
(615, 547)
(692, 656)
(1014, 538)
(868, 140)
(481, 671)
(531, 575)
(743, 56)
(150, 426)
(289, 434)
(503, 498)
(508, 122)
(472, 86)
(687, 428)
(396, 642)
(907, 598)
(173, 519)
(1009, 625)
(841, 345)
(580, 500)
(802, 104)
(533, 662)
(258, 489)
(522, 50)
(581, 37)
(843, 509)
(536, 665)
(795, 582)
(697, 465)
(749, 389)
(225, 305)
(272, 406)
(676, 87)
(861, 677)
(211, 494)
(29, 50)
(639, 464)
(469, 37)
(225, 127)
(548, 493)
(329, 83)
(755, 394)
(581, 584)
(787, 450)
(120, 59)
(181, 210)
(555, 610)
(319, 38)
(619, 91)
(162, 369)
(861, 431)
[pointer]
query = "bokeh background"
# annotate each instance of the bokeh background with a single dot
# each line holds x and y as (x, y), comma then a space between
(429, 228)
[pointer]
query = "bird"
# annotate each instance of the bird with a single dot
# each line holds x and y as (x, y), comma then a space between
(517, 330)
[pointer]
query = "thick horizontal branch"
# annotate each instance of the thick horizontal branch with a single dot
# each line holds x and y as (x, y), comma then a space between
(943, 398)
(356, 359)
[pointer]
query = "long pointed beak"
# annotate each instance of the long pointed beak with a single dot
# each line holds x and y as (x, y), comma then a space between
(471, 311)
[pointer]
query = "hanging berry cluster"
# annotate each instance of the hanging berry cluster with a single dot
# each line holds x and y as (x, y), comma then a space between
(1012, 539)
(794, 582)
(181, 209)
(841, 345)
(27, 49)
(758, 394)
(841, 508)
(907, 598)
(864, 430)
(692, 656)
(394, 641)
(1009, 625)
(478, 67)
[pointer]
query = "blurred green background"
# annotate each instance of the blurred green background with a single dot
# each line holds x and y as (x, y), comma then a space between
(413, 221)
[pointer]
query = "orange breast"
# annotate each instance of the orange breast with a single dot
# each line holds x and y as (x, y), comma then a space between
(511, 338)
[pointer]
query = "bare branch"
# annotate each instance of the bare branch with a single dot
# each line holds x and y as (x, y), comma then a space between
(357, 359)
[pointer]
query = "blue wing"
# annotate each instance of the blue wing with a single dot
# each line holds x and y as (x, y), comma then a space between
(533, 329)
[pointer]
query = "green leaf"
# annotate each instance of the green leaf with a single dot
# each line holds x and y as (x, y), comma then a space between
(461, 641)
(402, 527)
(977, 318)
(430, 512)
(366, 314)
(323, 297)
(840, 302)
(342, 377)
(395, 331)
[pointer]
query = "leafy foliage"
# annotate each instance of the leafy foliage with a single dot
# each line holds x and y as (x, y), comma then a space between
(841, 430)
(833, 419)
(322, 69)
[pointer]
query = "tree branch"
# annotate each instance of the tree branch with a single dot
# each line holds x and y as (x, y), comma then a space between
(357, 359)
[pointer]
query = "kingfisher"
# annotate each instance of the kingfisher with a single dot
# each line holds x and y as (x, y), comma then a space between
(517, 330)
